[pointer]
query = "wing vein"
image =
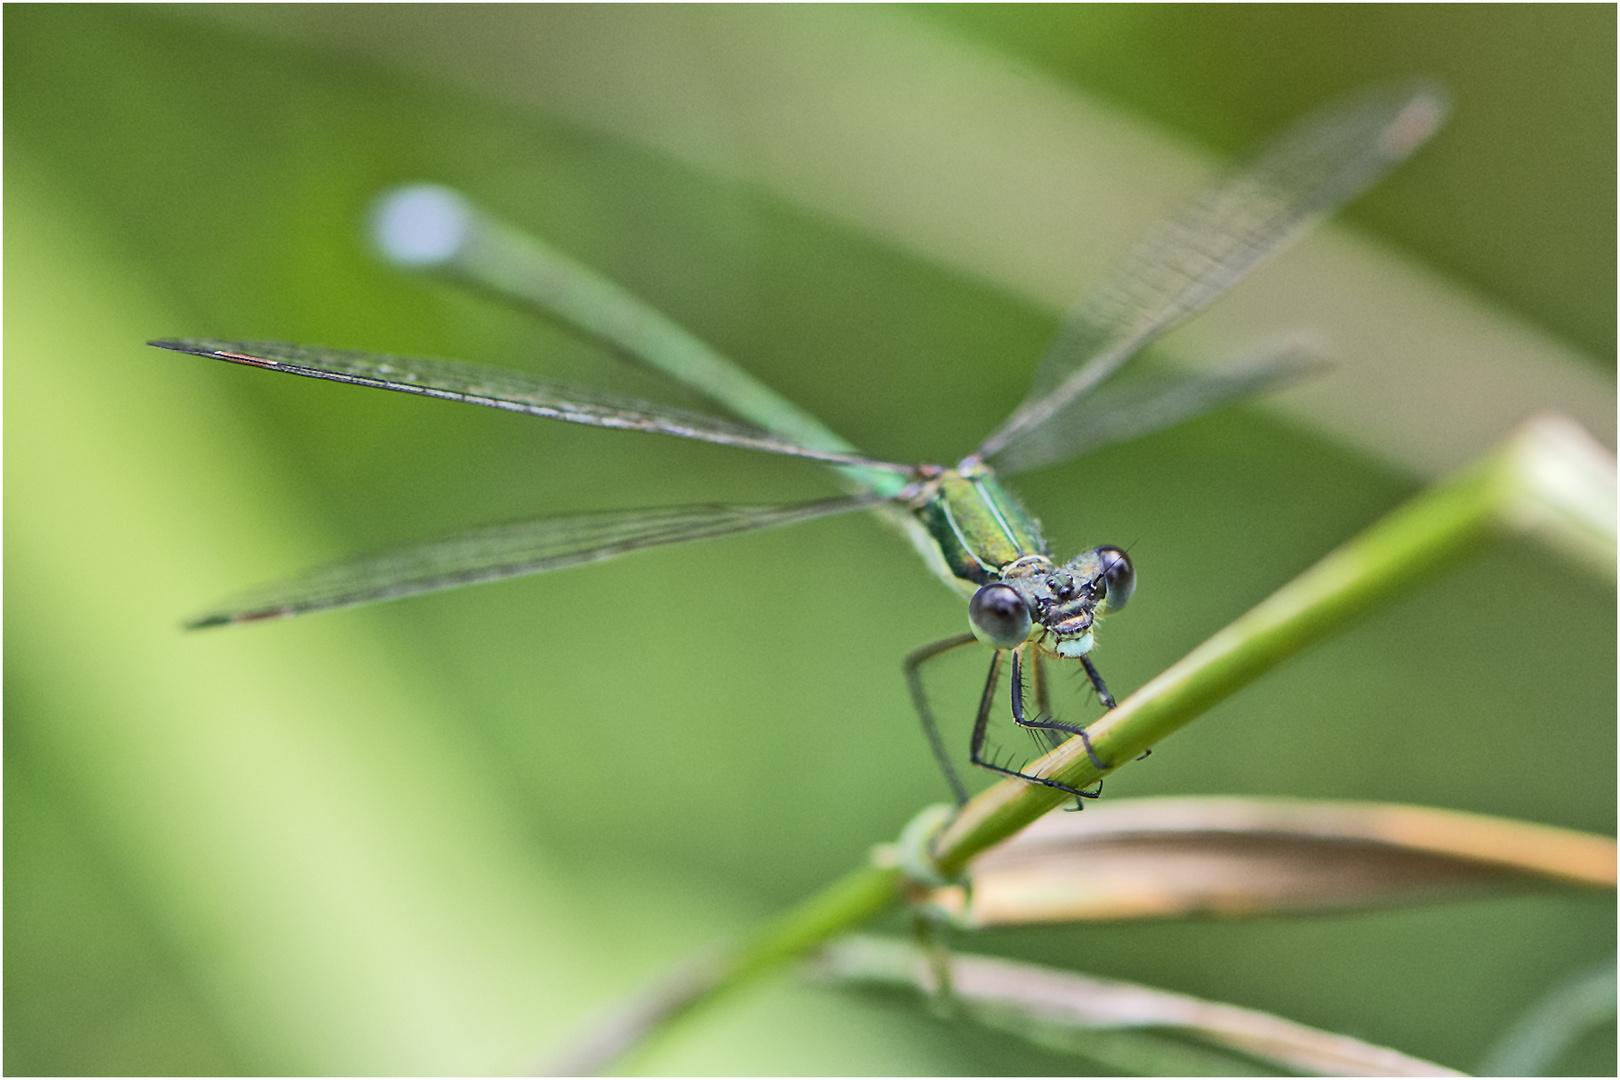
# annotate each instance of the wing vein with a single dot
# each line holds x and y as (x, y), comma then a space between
(511, 550)
(1227, 228)
(499, 388)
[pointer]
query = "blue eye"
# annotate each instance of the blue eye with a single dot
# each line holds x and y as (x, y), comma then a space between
(999, 616)
(1118, 575)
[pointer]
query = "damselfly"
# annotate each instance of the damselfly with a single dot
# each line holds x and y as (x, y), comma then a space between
(971, 530)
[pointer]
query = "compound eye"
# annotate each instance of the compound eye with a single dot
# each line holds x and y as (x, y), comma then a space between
(1119, 576)
(999, 616)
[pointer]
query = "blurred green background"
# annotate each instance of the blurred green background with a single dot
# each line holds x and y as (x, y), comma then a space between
(437, 836)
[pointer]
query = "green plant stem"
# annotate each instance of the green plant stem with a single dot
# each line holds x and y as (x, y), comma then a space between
(1550, 481)
(848, 902)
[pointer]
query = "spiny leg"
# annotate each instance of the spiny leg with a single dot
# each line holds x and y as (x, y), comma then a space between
(1043, 708)
(1046, 725)
(1103, 695)
(919, 700)
(981, 724)
(1043, 700)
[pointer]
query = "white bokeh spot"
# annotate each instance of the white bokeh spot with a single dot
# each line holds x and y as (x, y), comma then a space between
(419, 224)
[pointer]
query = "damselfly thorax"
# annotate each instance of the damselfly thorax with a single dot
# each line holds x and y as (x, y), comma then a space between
(994, 553)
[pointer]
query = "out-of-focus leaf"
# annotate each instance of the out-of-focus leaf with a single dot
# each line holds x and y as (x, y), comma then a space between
(1060, 1008)
(1554, 1024)
(1563, 492)
(1159, 858)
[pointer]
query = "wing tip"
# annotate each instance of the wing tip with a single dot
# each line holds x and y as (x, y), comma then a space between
(236, 618)
(194, 346)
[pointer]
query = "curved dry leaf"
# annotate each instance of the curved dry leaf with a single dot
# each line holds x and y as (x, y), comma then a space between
(996, 990)
(1158, 858)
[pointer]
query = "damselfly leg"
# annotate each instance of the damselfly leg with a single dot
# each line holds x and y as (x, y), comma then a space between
(1041, 724)
(1103, 695)
(981, 726)
(1050, 727)
(919, 700)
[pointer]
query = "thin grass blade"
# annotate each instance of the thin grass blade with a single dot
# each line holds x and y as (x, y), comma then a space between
(1060, 1008)
(1554, 1024)
(428, 227)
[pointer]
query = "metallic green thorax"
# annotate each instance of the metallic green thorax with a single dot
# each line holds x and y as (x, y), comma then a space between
(979, 526)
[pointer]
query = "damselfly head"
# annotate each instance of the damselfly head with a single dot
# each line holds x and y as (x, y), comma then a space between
(1064, 602)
